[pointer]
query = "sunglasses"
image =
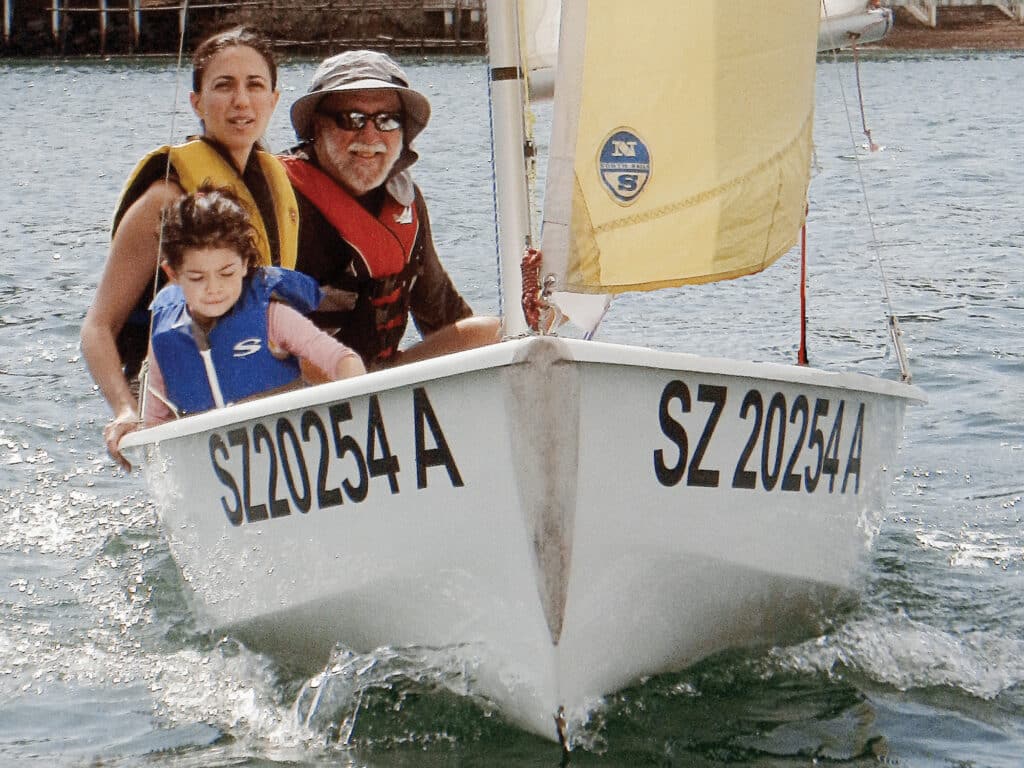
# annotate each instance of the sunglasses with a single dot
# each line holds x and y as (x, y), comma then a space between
(385, 122)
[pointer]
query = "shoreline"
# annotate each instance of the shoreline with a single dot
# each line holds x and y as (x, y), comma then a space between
(959, 28)
(980, 28)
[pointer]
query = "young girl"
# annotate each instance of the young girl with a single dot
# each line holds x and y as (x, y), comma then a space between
(224, 329)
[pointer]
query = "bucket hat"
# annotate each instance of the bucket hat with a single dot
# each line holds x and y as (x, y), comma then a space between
(358, 71)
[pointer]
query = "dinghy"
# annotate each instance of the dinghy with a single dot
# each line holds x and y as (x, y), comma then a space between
(571, 515)
(845, 23)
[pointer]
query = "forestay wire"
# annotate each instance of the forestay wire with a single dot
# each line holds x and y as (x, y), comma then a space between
(144, 372)
(895, 333)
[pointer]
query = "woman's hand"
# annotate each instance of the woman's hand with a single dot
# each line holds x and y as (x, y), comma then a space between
(121, 425)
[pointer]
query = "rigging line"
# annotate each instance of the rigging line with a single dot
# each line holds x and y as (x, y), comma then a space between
(529, 127)
(144, 372)
(860, 98)
(895, 334)
(494, 177)
(802, 351)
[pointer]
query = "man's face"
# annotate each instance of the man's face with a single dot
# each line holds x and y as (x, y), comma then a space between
(358, 159)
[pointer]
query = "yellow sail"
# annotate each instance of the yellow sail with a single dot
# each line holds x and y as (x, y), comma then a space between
(681, 140)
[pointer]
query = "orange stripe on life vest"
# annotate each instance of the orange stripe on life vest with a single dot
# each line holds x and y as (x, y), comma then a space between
(391, 298)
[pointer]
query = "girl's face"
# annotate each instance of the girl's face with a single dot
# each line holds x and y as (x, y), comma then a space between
(211, 279)
(236, 100)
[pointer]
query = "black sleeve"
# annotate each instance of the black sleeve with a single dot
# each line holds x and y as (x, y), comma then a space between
(435, 301)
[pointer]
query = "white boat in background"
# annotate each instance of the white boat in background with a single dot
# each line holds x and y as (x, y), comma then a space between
(571, 515)
(852, 22)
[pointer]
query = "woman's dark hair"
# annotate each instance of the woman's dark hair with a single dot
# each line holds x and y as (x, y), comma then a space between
(211, 217)
(244, 36)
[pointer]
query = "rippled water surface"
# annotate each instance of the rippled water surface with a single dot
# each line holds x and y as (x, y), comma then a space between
(101, 664)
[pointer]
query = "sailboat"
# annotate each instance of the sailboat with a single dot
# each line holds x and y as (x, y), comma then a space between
(845, 23)
(570, 514)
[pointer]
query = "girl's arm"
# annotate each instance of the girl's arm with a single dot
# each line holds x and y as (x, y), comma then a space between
(157, 409)
(295, 333)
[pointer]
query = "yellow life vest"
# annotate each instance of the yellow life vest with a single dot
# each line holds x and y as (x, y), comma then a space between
(196, 162)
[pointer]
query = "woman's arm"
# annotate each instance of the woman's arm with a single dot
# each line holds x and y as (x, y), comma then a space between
(130, 268)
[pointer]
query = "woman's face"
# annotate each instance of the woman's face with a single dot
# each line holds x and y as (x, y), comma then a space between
(211, 279)
(236, 100)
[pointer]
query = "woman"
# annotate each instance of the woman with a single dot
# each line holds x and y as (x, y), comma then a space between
(234, 94)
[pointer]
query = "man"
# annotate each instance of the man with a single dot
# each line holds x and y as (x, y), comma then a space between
(364, 233)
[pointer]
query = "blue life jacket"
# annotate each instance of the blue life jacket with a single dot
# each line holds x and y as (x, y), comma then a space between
(238, 342)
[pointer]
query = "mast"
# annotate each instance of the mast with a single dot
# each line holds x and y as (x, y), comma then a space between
(508, 137)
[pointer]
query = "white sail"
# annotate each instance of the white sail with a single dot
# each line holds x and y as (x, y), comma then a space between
(523, 43)
(539, 30)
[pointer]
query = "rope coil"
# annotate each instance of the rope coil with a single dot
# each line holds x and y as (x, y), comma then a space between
(541, 316)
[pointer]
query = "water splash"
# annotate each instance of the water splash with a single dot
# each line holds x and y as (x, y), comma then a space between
(973, 548)
(907, 654)
(395, 697)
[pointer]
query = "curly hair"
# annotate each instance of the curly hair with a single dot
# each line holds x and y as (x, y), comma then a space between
(211, 217)
(242, 36)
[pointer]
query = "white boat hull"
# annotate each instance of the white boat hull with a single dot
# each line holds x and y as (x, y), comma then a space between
(574, 515)
(848, 22)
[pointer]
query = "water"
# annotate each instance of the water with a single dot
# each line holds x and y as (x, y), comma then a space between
(101, 663)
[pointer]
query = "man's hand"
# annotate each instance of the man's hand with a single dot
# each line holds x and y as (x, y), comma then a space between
(337, 300)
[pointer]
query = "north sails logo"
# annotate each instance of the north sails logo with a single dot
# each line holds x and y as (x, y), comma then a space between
(624, 165)
(247, 347)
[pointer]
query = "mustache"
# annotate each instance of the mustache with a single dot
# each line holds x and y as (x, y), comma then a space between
(358, 146)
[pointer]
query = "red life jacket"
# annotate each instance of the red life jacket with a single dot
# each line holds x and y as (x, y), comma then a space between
(383, 243)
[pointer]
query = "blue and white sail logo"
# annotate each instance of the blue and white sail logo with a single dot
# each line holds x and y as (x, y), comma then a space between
(624, 165)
